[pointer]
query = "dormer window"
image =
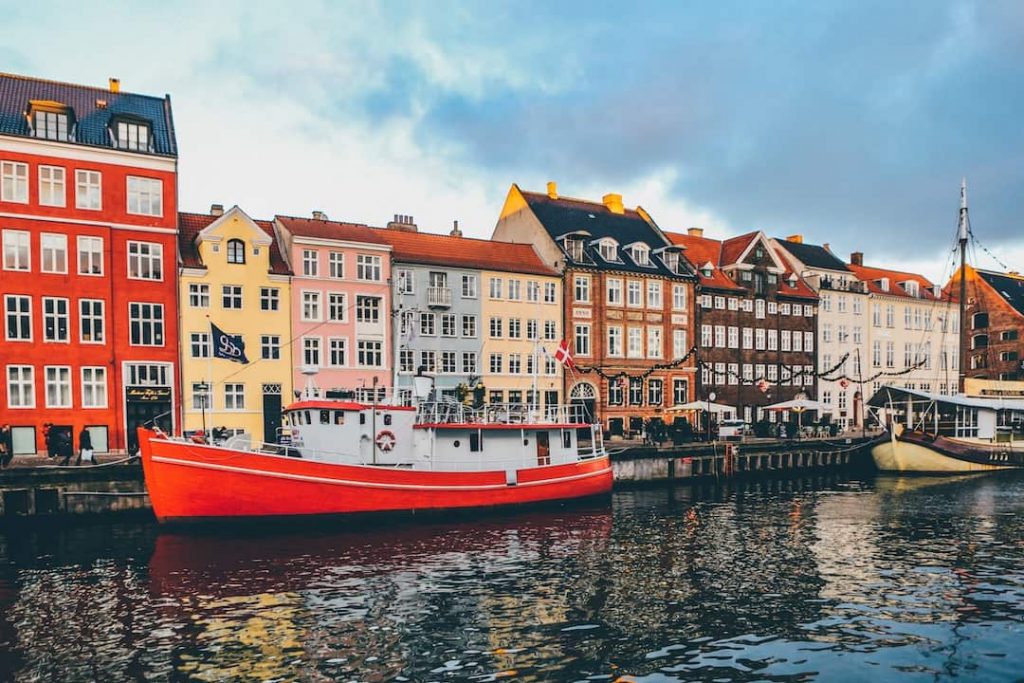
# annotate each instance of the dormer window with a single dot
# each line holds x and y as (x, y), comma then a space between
(912, 288)
(133, 135)
(608, 249)
(641, 255)
(51, 121)
(236, 251)
(792, 280)
(671, 260)
(706, 269)
(574, 248)
(883, 284)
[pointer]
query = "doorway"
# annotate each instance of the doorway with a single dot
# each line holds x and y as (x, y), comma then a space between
(271, 412)
(543, 448)
(146, 404)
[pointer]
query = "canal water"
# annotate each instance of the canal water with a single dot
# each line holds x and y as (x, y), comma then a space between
(807, 579)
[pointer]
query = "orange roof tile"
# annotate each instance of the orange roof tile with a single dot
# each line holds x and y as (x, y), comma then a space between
(191, 224)
(871, 276)
(330, 230)
(734, 247)
(702, 250)
(464, 252)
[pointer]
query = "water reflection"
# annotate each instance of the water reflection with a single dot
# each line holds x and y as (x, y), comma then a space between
(790, 580)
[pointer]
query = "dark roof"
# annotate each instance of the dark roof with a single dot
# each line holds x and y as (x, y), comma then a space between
(91, 118)
(813, 256)
(566, 215)
(191, 224)
(329, 230)
(463, 252)
(1010, 287)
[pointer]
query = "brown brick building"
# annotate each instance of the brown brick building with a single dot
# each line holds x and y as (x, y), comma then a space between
(629, 302)
(993, 323)
(756, 320)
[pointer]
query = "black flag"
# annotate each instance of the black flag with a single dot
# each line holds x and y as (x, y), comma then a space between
(228, 346)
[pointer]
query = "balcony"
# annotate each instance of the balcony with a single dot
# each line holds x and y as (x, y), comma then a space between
(439, 297)
(837, 286)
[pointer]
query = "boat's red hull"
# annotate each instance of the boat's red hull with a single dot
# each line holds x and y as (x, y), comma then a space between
(191, 481)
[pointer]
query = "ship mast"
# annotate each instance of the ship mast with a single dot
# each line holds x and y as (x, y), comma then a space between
(962, 230)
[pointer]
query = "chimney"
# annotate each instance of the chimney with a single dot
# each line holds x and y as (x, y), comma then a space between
(553, 189)
(455, 230)
(857, 258)
(695, 232)
(795, 239)
(613, 202)
(115, 85)
(216, 209)
(319, 215)
(402, 223)
(826, 247)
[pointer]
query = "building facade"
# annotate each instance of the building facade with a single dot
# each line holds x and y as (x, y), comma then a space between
(995, 323)
(341, 306)
(757, 321)
(88, 218)
(233, 275)
(627, 303)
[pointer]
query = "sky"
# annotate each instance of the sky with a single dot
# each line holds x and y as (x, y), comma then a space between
(851, 123)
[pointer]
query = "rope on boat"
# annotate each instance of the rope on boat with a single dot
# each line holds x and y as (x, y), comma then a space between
(105, 493)
(87, 467)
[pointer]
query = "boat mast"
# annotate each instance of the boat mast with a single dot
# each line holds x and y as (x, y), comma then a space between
(962, 229)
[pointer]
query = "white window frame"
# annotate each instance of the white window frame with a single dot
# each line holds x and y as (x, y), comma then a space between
(53, 245)
(368, 264)
(56, 197)
(270, 299)
(153, 322)
(85, 245)
(153, 252)
(234, 396)
(57, 317)
(147, 195)
(7, 313)
(336, 345)
(88, 190)
(310, 345)
(14, 182)
(92, 317)
(310, 263)
(94, 378)
(62, 384)
(23, 386)
(21, 242)
(312, 310)
(337, 302)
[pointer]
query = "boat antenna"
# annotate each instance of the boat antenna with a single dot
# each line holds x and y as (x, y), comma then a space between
(963, 228)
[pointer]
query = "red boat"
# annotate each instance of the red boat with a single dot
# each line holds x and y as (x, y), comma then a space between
(340, 457)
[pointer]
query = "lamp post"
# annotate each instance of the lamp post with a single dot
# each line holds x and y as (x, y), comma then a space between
(711, 397)
(204, 389)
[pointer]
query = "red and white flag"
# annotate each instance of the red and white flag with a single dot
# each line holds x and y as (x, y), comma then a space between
(563, 355)
(762, 385)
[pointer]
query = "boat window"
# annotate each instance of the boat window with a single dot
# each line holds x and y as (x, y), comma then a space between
(456, 443)
(325, 417)
(307, 417)
(387, 419)
(526, 442)
(362, 418)
(285, 420)
(476, 441)
(339, 417)
(566, 438)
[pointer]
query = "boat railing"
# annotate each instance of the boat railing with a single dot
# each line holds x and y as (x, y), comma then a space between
(453, 412)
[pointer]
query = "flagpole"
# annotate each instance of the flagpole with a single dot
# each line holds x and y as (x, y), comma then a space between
(209, 381)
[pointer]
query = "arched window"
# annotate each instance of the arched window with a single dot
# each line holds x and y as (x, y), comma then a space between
(236, 251)
(979, 321)
(583, 391)
(609, 249)
(979, 341)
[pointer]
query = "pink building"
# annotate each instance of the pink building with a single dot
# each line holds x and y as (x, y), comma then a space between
(341, 306)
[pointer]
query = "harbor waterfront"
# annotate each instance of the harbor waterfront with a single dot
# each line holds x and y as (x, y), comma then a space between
(817, 578)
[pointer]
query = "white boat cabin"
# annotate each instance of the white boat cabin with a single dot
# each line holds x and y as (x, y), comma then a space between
(976, 418)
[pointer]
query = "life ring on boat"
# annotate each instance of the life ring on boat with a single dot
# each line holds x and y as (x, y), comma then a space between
(385, 440)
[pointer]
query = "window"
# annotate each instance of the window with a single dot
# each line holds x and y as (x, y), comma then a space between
(16, 250)
(231, 296)
(654, 392)
(784, 345)
(495, 362)
(514, 329)
(368, 268)
(876, 354)
(310, 263)
(679, 391)
(759, 308)
(614, 341)
(890, 354)
(514, 290)
(336, 307)
(748, 338)
(495, 288)
(773, 340)
(608, 250)
(14, 182)
(236, 251)
(759, 337)
(468, 362)
(532, 290)
(720, 303)
(550, 365)
(550, 332)
(582, 340)
(94, 387)
(90, 321)
(581, 288)
(495, 328)
(50, 125)
(146, 322)
(549, 292)
(720, 336)
(890, 315)
(615, 392)
(201, 396)
(679, 348)
(448, 325)
(54, 256)
(531, 329)
(51, 186)
(635, 342)
(773, 308)
(336, 354)
(876, 315)
(809, 340)
(311, 351)
(405, 281)
(55, 319)
(18, 314)
(234, 396)
(199, 295)
(706, 338)
(469, 286)
(653, 342)
(371, 354)
(145, 261)
(269, 298)
(653, 294)
(200, 344)
(368, 309)
(469, 326)
(679, 297)
(428, 324)
(145, 196)
(88, 190)
(614, 291)
(58, 386)
(448, 362)
(20, 386)
(270, 347)
(796, 340)
(633, 294)
(336, 264)
(405, 360)
(133, 136)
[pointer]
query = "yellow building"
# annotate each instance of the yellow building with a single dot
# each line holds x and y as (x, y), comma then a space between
(232, 275)
(521, 327)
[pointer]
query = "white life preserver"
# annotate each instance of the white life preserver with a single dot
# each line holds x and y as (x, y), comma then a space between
(385, 440)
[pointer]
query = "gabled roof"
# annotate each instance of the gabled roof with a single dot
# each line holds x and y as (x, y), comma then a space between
(329, 230)
(92, 117)
(1009, 287)
(462, 252)
(733, 248)
(566, 215)
(191, 224)
(871, 277)
(702, 250)
(812, 255)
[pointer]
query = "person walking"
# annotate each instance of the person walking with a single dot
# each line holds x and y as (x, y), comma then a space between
(50, 438)
(65, 447)
(6, 446)
(85, 447)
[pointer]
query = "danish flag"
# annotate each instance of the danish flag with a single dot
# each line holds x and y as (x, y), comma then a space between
(762, 385)
(563, 355)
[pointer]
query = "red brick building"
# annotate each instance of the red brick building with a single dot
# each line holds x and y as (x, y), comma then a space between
(756, 320)
(994, 323)
(88, 216)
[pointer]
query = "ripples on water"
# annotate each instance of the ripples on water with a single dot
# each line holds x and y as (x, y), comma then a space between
(920, 579)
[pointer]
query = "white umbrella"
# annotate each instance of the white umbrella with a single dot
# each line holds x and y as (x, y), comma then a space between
(717, 408)
(797, 404)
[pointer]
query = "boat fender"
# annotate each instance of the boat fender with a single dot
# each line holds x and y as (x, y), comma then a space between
(511, 477)
(385, 440)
